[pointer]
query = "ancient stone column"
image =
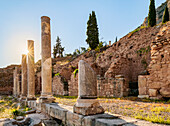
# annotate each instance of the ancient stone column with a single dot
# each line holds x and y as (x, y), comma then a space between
(18, 84)
(24, 77)
(87, 103)
(31, 71)
(46, 62)
(110, 43)
(15, 82)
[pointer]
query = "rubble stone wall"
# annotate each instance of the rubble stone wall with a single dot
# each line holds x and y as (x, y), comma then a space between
(157, 84)
(112, 87)
(6, 80)
(58, 86)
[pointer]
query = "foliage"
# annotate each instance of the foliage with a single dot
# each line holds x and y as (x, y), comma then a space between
(79, 51)
(92, 31)
(75, 72)
(57, 74)
(152, 14)
(165, 15)
(58, 49)
(100, 45)
(116, 39)
(136, 30)
(143, 51)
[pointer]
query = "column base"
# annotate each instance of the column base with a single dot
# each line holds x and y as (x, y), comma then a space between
(22, 97)
(46, 99)
(88, 107)
(30, 98)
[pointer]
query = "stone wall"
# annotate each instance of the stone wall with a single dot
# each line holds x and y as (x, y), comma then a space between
(73, 85)
(6, 80)
(157, 84)
(59, 87)
(112, 87)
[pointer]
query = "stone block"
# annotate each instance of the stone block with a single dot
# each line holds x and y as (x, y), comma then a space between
(143, 96)
(153, 92)
(142, 91)
(74, 119)
(110, 122)
(165, 92)
(57, 112)
(88, 107)
(90, 120)
(154, 85)
(142, 81)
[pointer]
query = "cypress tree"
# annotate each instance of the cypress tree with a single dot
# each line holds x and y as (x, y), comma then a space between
(152, 14)
(116, 39)
(165, 15)
(92, 31)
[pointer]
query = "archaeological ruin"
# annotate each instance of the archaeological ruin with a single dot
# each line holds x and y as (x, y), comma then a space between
(136, 65)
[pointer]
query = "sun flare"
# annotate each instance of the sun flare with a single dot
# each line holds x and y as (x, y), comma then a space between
(26, 52)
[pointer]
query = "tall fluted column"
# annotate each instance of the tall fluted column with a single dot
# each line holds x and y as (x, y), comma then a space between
(46, 62)
(24, 77)
(31, 72)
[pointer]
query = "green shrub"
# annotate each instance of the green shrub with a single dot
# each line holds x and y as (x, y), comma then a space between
(16, 112)
(75, 72)
(57, 74)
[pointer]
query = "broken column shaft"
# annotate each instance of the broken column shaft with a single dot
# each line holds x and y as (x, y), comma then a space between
(87, 103)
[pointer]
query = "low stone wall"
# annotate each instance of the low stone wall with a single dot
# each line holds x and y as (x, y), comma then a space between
(106, 87)
(112, 87)
(58, 86)
(73, 85)
(6, 80)
(68, 118)
(157, 84)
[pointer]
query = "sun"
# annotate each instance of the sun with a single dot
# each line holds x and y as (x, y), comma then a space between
(26, 52)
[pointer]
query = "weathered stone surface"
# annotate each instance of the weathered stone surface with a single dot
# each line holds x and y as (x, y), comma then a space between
(142, 81)
(157, 83)
(109, 122)
(87, 103)
(153, 92)
(87, 81)
(165, 92)
(57, 112)
(50, 123)
(90, 120)
(112, 87)
(88, 107)
(19, 118)
(143, 96)
(36, 119)
(46, 62)
(74, 119)
(31, 72)
(24, 77)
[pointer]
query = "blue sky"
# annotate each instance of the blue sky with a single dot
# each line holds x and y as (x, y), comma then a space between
(20, 21)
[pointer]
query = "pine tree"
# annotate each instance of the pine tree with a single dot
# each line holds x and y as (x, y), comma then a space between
(58, 49)
(152, 14)
(165, 15)
(92, 31)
